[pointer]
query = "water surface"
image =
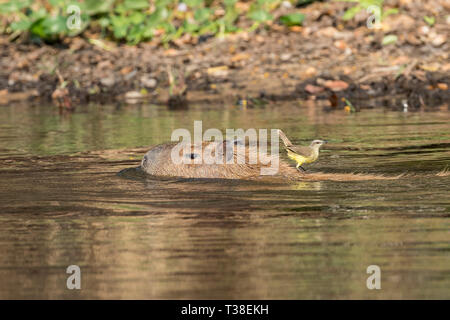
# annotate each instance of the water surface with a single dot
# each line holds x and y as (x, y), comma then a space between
(62, 203)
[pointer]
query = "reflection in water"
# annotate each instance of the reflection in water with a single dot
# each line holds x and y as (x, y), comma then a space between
(136, 236)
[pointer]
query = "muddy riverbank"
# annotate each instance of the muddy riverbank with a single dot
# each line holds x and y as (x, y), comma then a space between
(326, 59)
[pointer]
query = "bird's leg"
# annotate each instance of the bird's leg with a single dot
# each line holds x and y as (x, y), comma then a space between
(300, 167)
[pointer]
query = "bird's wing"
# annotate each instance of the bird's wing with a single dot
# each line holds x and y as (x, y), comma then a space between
(285, 139)
(303, 151)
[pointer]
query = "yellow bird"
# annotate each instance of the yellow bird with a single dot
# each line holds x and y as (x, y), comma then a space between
(301, 154)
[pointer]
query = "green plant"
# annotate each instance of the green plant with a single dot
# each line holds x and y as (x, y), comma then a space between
(39, 21)
(429, 20)
(134, 21)
(389, 39)
(292, 19)
(365, 5)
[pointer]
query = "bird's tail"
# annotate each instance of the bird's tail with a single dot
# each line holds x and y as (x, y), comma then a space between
(285, 139)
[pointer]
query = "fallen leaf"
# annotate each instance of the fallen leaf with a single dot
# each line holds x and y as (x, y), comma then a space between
(133, 95)
(239, 57)
(126, 70)
(412, 39)
(311, 71)
(430, 67)
(295, 29)
(438, 40)
(336, 85)
(340, 44)
(389, 39)
(171, 52)
(442, 86)
(313, 89)
(328, 32)
(220, 71)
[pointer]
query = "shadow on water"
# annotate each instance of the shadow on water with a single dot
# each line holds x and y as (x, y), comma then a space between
(71, 194)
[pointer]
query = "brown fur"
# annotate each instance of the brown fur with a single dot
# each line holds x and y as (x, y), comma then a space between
(158, 162)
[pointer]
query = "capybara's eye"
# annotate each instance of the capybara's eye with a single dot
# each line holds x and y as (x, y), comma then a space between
(144, 161)
(192, 155)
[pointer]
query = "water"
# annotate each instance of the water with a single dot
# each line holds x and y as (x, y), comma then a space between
(62, 203)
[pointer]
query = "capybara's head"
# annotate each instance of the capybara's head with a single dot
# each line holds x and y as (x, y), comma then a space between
(218, 159)
(154, 158)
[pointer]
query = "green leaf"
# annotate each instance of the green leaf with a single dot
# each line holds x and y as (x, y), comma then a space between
(264, 2)
(119, 26)
(160, 14)
(193, 3)
(37, 28)
(104, 22)
(389, 12)
(136, 4)
(94, 7)
(38, 14)
(136, 34)
(190, 27)
(202, 14)
(119, 21)
(57, 3)
(350, 13)
(292, 19)
(47, 28)
(211, 28)
(148, 32)
(14, 6)
(54, 25)
(389, 39)
(22, 25)
(136, 17)
(260, 15)
(230, 3)
(120, 32)
(429, 20)
(163, 3)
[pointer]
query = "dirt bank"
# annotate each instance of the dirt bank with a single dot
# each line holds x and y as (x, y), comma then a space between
(326, 59)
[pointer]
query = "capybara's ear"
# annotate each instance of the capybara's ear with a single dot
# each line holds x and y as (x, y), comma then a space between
(226, 148)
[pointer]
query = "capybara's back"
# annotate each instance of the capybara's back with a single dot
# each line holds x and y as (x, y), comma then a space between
(227, 159)
(230, 160)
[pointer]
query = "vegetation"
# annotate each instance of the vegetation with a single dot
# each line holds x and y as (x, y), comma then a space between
(134, 21)
(368, 5)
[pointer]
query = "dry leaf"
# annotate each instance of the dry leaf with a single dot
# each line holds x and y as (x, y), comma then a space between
(336, 85)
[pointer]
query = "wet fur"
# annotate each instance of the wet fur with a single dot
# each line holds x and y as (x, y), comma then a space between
(158, 163)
